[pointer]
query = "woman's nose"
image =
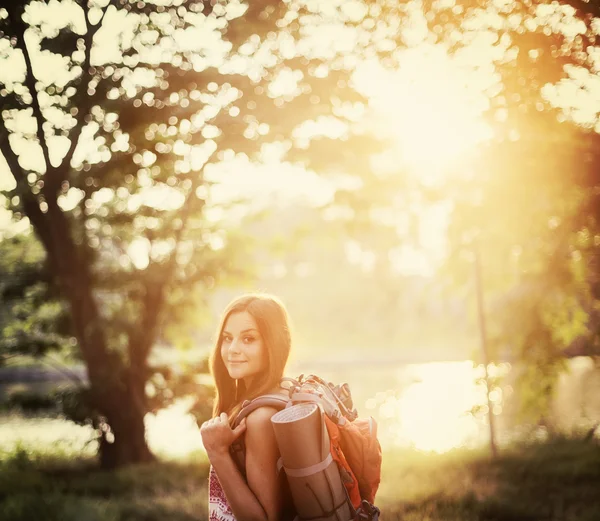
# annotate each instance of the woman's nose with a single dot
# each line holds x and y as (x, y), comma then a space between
(233, 346)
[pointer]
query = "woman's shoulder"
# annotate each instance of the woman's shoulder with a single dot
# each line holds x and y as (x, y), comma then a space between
(262, 415)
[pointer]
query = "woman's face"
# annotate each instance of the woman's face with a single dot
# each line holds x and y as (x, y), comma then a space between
(242, 348)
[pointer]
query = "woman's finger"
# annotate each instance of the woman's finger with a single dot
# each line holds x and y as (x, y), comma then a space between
(239, 429)
(223, 417)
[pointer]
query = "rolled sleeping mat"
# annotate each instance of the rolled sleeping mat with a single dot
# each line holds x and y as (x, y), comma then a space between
(315, 484)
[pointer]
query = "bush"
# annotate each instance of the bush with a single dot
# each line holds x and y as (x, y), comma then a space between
(31, 402)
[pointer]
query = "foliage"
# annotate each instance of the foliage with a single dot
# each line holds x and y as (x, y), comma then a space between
(113, 151)
(29, 402)
(528, 200)
(33, 316)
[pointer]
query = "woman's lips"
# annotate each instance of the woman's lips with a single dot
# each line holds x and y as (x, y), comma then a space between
(237, 362)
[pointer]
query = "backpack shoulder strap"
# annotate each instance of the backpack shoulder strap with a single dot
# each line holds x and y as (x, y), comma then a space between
(238, 447)
(277, 401)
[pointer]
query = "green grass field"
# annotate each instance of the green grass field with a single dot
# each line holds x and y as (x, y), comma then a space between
(557, 481)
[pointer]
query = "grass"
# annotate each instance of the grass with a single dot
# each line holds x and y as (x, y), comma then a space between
(554, 481)
(50, 488)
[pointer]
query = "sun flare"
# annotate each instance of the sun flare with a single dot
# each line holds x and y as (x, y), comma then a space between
(431, 106)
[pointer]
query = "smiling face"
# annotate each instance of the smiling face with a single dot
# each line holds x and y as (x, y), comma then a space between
(242, 347)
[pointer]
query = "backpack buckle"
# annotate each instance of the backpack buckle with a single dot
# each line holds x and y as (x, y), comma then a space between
(367, 512)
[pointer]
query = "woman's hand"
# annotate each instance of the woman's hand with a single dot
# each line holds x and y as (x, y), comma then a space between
(217, 435)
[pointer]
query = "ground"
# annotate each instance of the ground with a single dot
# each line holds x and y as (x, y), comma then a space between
(552, 481)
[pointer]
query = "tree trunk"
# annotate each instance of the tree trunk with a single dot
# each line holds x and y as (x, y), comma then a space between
(118, 390)
(124, 442)
(117, 386)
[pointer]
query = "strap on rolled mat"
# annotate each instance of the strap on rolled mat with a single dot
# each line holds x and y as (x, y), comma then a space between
(306, 471)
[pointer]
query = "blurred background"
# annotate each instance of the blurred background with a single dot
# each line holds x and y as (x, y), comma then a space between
(418, 181)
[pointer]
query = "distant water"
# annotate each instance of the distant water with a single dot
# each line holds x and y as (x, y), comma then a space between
(442, 405)
(430, 407)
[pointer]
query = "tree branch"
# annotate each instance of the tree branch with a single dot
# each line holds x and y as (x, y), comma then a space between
(30, 204)
(83, 107)
(140, 345)
(12, 158)
(30, 84)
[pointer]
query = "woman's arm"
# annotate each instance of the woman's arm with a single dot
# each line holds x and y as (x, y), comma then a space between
(261, 498)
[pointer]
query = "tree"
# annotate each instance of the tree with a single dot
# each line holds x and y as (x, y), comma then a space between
(532, 199)
(139, 102)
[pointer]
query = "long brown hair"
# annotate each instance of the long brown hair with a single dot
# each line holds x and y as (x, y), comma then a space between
(274, 327)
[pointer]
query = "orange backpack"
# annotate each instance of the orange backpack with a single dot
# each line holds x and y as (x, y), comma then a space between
(353, 441)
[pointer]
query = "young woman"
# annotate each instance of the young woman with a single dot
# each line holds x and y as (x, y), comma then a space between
(250, 354)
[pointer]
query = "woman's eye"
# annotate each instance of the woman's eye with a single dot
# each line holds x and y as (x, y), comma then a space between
(248, 339)
(226, 339)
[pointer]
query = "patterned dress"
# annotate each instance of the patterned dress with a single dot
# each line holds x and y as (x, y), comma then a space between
(218, 507)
